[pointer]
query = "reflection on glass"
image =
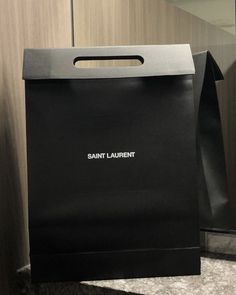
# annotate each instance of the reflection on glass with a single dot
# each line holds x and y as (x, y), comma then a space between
(220, 13)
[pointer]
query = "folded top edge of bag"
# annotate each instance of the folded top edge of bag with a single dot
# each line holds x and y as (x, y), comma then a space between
(59, 63)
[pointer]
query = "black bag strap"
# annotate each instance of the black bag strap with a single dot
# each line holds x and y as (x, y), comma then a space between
(213, 192)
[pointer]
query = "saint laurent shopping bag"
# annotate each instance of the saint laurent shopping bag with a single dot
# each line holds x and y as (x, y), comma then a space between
(214, 200)
(112, 173)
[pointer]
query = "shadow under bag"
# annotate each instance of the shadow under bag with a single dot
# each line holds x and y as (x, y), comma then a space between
(112, 173)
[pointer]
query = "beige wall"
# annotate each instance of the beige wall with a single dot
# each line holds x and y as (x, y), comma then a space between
(220, 13)
(48, 23)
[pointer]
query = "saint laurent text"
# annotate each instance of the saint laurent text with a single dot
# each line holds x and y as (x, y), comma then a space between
(118, 155)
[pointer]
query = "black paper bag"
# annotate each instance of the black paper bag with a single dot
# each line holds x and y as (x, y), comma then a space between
(112, 172)
(213, 194)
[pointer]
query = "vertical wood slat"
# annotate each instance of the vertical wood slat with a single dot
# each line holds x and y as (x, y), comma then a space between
(23, 23)
(131, 22)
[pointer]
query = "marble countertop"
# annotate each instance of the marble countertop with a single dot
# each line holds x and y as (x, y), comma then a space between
(218, 277)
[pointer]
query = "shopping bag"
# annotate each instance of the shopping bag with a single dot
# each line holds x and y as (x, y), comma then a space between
(214, 204)
(112, 171)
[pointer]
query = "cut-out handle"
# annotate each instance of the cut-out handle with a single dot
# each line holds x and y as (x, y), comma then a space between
(153, 60)
(107, 61)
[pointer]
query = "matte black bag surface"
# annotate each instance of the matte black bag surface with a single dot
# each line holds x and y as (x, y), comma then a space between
(214, 203)
(112, 173)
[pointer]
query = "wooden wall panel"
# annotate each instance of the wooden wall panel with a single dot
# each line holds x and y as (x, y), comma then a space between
(131, 22)
(23, 23)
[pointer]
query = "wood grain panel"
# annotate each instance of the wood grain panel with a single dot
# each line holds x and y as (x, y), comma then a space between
(23, 23)
(131, 22)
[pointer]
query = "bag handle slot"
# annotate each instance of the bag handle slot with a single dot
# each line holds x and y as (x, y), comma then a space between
(107, 61)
